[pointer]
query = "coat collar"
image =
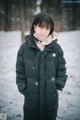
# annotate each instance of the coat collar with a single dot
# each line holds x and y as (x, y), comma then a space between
(30, 39)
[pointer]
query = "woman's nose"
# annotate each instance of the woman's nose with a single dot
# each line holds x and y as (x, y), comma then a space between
(43, 30)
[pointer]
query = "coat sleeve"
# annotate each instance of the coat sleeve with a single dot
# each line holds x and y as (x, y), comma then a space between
(20, 72)
(61, 76)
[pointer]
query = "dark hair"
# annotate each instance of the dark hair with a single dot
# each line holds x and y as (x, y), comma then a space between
(43, 19)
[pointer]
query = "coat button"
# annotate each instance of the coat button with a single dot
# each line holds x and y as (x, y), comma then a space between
(53, 79)
(36, 83)
(33, 68)
(54, 55)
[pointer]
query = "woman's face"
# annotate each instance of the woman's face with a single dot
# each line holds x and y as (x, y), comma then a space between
(41, 31)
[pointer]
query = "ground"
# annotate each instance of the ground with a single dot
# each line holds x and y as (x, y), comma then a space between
(11, 101)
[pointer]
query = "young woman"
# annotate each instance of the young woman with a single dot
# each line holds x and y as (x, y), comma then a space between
(40, 70)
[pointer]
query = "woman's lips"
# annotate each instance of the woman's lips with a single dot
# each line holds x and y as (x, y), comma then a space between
(42, 35)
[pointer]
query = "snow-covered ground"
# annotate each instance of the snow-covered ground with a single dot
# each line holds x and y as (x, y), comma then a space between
(11, 101)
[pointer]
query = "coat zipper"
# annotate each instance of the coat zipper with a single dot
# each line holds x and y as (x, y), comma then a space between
(38, 87)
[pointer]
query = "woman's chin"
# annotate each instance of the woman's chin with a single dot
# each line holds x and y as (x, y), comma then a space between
(42, 38)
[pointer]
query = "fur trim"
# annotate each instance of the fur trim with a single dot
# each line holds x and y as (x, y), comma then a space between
(42, 43)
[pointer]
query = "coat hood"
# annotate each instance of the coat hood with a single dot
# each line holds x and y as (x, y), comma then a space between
(41, 44)
(47, 40)
(48, 43)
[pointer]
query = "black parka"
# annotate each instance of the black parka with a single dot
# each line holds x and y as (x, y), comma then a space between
(40, 74)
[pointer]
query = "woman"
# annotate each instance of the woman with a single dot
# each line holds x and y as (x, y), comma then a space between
(40, 70)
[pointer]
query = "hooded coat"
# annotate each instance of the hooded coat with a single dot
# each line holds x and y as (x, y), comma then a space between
(40, 74)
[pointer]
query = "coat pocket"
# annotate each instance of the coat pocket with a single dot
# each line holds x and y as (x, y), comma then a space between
(52, 101)
(31, 102)
(51, 86)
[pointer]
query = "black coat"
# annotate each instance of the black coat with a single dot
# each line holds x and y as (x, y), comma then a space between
(40, 74)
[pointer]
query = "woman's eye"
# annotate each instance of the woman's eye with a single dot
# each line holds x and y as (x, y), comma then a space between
(41, 27)
(47, 28)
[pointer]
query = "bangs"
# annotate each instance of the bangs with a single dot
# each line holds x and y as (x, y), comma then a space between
(44, 25)
(46, 22)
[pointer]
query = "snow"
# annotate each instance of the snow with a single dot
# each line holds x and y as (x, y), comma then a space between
(70, 97)
(11, 101)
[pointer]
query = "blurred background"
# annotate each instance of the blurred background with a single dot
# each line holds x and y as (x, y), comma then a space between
(18, 14)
